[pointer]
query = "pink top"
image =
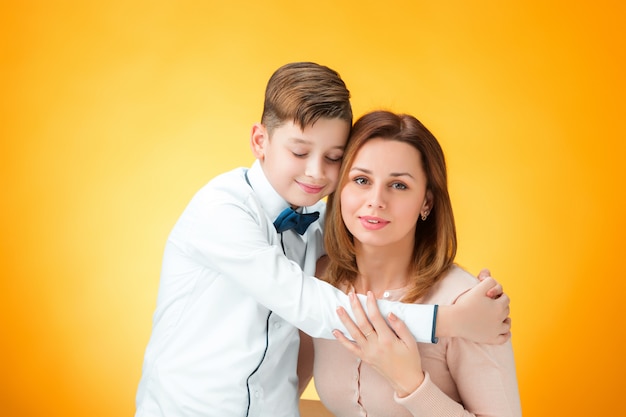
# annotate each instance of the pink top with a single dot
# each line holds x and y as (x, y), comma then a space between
(462, 378)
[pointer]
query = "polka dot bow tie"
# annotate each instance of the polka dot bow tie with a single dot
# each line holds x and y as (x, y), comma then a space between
(291, 219)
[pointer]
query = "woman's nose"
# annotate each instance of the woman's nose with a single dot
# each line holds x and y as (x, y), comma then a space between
(377, 198)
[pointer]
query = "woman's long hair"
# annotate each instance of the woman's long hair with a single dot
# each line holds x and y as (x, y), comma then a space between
(435, 238)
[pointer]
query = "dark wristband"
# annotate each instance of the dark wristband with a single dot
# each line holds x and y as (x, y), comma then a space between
(434, 338)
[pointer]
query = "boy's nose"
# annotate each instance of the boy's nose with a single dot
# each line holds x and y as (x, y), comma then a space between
(314, 168)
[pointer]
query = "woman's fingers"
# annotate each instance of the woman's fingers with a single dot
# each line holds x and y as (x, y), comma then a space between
(349, 324)
(347, 343)
(363, 325)
(366, 328)
(403, 332)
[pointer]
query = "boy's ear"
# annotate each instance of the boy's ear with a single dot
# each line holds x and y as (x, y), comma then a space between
(258, 140)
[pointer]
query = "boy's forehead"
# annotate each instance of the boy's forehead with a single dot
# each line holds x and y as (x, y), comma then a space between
(310, 142)
(324, 130)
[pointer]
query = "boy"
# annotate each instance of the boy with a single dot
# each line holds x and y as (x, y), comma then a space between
(223, 341)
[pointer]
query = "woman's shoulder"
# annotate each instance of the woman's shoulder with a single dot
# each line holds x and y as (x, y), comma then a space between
(451, 286)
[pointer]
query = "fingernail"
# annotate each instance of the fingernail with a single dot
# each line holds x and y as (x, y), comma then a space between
(392, 317)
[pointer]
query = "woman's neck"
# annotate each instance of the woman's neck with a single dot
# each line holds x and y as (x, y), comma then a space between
(381, 269)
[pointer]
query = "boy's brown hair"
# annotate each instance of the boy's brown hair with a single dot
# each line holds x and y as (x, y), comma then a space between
(304, 92)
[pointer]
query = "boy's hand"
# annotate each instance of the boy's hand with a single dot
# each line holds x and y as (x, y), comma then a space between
(495, 291)
(479, 315)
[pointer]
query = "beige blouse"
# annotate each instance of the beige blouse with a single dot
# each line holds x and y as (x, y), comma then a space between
(462, 378)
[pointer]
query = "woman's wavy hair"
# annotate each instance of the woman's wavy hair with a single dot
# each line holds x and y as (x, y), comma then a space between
(435, 238)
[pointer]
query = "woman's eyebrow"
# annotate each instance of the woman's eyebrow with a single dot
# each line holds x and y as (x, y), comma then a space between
(392, 174)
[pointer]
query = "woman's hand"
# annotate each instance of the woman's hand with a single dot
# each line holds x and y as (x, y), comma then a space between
(389, 348)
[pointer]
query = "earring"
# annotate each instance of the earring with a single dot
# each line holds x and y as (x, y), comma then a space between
(425, 215)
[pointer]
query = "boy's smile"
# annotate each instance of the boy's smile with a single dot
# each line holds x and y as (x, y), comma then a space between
(311, 189)
(302, 164)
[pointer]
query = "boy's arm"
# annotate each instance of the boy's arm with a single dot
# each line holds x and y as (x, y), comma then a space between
(477, 316)
(227, 237)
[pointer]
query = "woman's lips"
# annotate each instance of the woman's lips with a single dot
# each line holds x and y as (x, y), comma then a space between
(373, 223)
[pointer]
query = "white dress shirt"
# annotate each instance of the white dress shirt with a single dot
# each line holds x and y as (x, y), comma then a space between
(223, 340)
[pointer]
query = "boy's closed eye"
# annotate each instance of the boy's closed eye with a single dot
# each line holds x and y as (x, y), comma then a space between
(333, 158)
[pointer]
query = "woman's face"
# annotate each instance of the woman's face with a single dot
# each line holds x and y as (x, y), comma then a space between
(384, 194)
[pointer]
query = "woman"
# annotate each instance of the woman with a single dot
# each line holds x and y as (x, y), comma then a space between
(390, 234)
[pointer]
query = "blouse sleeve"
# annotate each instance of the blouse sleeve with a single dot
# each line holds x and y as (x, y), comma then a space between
(485, 378)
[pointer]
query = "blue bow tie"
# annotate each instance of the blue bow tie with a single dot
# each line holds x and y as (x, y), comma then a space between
(291, 219)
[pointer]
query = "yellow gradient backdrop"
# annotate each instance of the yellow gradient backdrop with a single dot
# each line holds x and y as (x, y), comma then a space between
(114, 113)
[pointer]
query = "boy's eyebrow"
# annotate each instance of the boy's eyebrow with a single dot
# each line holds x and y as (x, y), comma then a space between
(300, 140)
(392, 174)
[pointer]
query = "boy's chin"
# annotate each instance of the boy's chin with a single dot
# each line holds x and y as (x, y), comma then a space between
(306, 201)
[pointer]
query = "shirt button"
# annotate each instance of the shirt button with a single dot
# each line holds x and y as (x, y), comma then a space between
(386, 294)
(277, 325)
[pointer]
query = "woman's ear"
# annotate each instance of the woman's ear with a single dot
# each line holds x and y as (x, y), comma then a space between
(428, 202)
(427, 205)
(258, 140)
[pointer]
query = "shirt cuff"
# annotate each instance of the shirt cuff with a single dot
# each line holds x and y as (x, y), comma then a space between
(433, 338)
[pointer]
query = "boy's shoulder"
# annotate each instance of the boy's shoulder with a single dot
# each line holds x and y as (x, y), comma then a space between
(234, 175)
(231, 182)
(232, 188)
(225, 190)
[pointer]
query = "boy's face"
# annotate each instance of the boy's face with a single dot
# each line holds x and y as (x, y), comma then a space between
(302, 165)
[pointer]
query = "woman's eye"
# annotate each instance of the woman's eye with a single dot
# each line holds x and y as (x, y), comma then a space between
(398, 186)
(360, 180)
(334, 159)
(299, 155)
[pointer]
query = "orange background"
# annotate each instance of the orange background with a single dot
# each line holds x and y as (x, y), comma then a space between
(115, 113)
